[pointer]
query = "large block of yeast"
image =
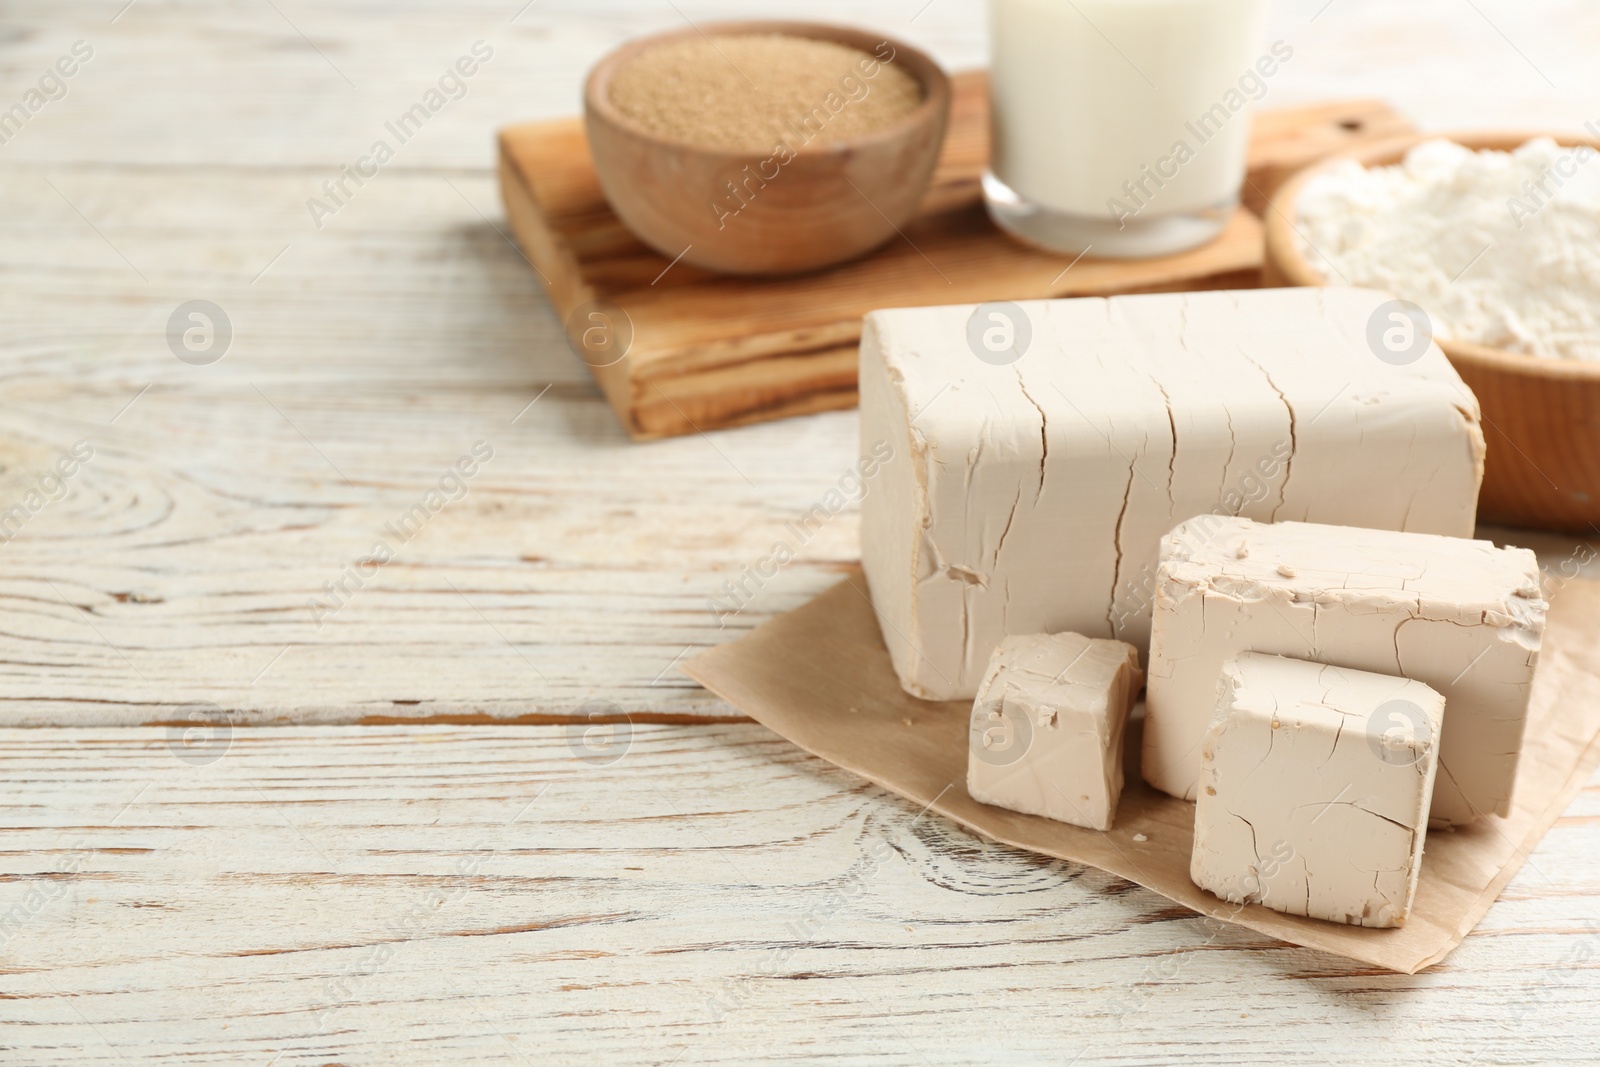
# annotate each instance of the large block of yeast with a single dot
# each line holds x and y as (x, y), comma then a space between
(1028, 494)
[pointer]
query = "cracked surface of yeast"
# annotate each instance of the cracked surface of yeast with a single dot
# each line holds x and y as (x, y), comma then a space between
(1032, 497)
(1075, 694)
(1290, 754)
(1463, 616)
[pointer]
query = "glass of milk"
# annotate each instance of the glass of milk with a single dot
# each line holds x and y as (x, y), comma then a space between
(1120, 127)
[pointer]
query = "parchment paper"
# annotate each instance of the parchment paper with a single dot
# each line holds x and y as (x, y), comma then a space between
(821, 677)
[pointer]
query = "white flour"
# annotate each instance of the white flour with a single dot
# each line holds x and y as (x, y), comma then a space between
(1500, 248)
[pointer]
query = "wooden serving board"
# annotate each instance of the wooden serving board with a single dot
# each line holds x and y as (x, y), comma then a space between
(705, 350)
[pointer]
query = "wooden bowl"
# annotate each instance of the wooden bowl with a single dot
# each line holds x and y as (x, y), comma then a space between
(1541, 417)
(828, 204)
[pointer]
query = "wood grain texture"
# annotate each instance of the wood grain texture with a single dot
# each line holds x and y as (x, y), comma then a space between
(715, 895)
(705, 351)
(381, 346)
(368, 354)
(482, 895)
(1286, 140)
(367, 358)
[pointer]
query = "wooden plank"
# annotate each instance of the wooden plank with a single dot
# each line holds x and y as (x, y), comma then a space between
(731, 350)
(178, 568)
(252, 92)
(1286, 139)
(403, 330)
(466, 896)
(710, 351)
(387, 342)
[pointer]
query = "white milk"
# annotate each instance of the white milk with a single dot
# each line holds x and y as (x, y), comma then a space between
(1123, 123)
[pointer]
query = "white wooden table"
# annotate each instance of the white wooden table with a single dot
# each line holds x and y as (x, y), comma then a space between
(391, 852)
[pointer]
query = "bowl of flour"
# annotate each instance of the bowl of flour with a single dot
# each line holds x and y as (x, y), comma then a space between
(1493, 241)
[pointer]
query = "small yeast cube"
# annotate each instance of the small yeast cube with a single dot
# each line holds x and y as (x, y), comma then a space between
(1315, 784)
(1047, 727)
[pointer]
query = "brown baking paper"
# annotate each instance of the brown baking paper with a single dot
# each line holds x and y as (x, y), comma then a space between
(821, 677)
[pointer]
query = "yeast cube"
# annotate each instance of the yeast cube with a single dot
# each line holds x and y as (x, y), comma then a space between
(1047, 727)
(1315, 784)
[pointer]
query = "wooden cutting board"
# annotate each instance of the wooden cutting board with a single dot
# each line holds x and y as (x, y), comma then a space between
(682, 349)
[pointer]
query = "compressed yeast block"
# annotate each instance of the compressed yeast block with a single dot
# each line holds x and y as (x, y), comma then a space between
(1463, 616)
(1041, 450)
(1047, 727)
(1315, 784)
